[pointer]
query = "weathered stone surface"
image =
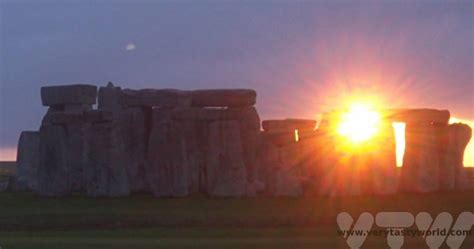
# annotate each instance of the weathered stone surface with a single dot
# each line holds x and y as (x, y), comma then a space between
(51, 110)
(167, 170)
(134, 124)
(63, 156)
(110, 98)
(135, 137)
(82, 152)
(155, 97)
(454, 176)
(194, 125)
(288, 170)
(280, 138)
(418, 116)
(379, 172)
(287, 184)
(421, 162)
(68, 95)
(299, 160)
(196, 137)
(53, 170)
(70, 118)
(225, 168)
(105, 174)
(289, 125)
(268, 158)
(254, 187)
(223, 98)
(249, 125)
(28, 157)
(177, 153)
(369, 168)
(78, 108)
(335, 167)
(76, 154)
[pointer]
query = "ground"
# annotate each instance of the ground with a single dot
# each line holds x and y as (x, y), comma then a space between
(141, 221)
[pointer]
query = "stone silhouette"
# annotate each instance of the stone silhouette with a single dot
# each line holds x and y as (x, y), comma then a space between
(177, 143)
(27, 160)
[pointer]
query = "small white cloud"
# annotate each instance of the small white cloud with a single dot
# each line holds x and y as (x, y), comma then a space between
(130, 47)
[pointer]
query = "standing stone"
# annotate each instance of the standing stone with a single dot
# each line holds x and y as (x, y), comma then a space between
(381, 172)
(167, 173)
(76, 125)
(269, 164)
(28, 157)
(455, 176)
(135, 138)
(288, 184)
(292, 172)
(76, 154)
(375, 162)
(51, 111)
(288, 166)
(421, 162)
(338, 169)
(225, 168)
(249, 125)
(196, 134)
(293, 175)
(133, 123)
(105, 174)
(254, 188)
(53, 170)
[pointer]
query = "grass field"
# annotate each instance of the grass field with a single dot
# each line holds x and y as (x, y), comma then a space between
(141, 221)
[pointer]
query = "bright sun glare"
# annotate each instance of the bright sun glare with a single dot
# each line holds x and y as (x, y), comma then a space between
(359, 123)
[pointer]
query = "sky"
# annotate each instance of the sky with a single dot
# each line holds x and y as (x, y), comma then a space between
(302, 57)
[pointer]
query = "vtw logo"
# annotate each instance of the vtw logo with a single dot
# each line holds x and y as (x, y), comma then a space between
(434, 231)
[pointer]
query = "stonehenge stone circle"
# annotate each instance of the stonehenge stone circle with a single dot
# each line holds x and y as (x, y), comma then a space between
(179, 143)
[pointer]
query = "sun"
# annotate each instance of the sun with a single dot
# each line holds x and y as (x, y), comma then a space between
(359, 123)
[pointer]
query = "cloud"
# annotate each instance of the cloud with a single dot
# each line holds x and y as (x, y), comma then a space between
(130, 47)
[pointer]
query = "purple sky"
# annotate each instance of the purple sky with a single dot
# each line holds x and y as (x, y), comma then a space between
(301, 57)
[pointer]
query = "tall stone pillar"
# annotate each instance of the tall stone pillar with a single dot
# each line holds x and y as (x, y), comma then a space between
(132, 122)
(53, 169)
(27, 161)
(459, 136)
(62, 138)
(421, 161)
(226, 172)
(288, 157)
(382, 161)
(167, 170)
(105, 171)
